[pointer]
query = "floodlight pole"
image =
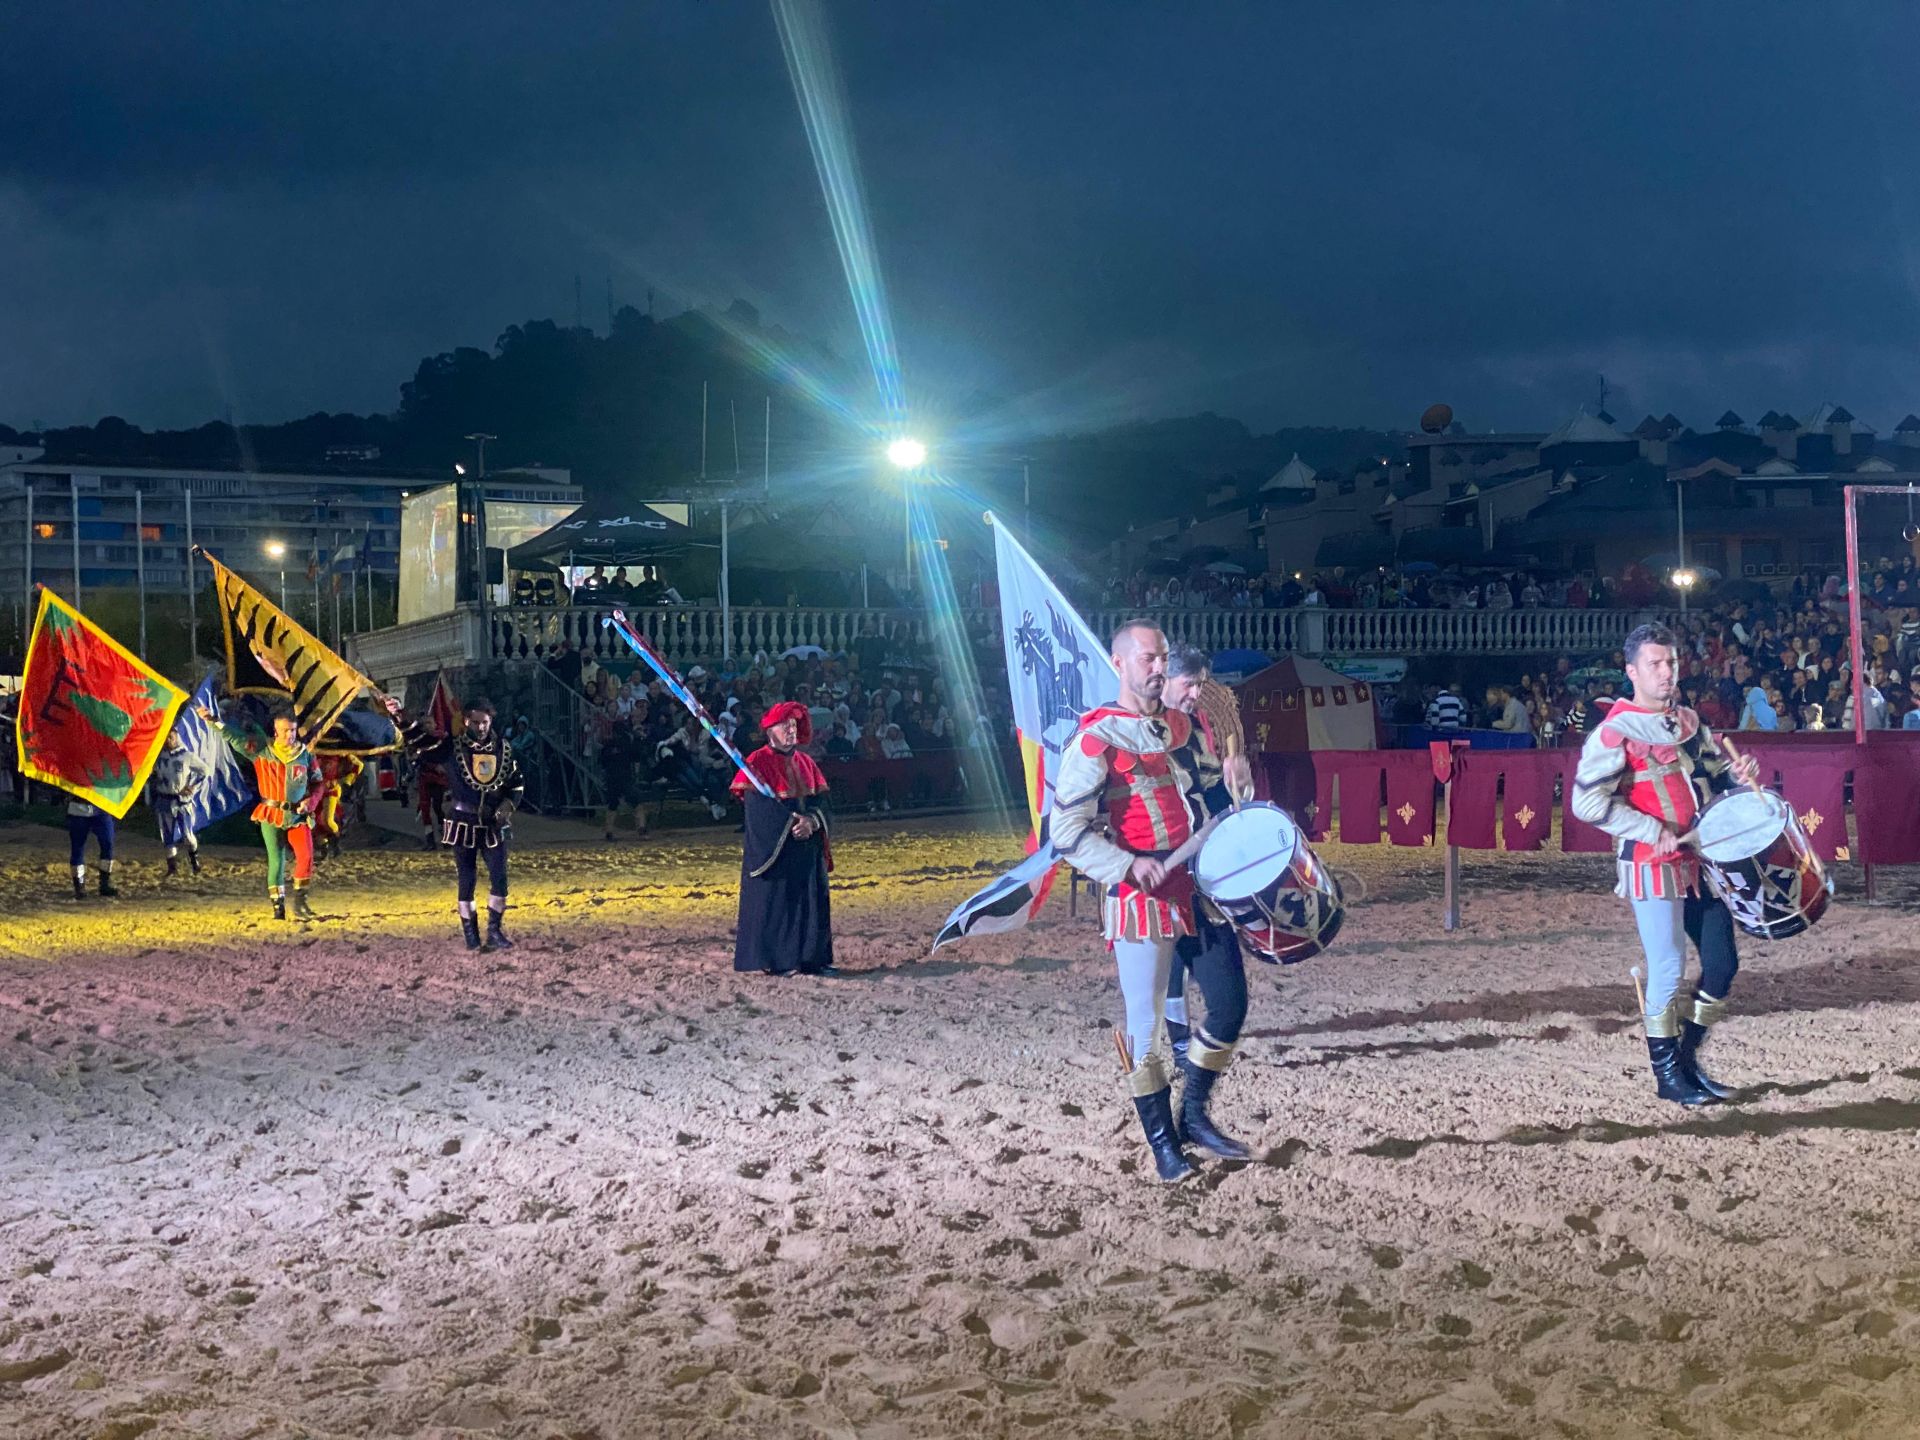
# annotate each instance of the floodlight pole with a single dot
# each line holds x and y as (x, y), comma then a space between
(1680, 499)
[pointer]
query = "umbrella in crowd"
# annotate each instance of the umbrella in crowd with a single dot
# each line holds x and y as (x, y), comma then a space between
(1587, 674)
(803, 652)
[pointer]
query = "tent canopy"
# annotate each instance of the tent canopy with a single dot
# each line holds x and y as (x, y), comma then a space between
(605, 531)
(1299, 704)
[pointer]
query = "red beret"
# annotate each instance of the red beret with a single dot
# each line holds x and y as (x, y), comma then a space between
(790, 710)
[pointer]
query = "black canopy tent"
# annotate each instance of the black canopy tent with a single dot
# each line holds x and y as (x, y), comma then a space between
(605, 531)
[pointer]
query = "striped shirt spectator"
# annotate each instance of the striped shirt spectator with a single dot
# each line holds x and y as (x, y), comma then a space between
(1446, 711)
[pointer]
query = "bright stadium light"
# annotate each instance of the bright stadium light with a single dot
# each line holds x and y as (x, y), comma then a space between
(907, 453)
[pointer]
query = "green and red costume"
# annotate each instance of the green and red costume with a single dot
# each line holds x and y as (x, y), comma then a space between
(289, 782)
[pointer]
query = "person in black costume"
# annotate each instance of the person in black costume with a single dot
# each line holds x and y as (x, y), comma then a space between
(786, 923)
(484, 788)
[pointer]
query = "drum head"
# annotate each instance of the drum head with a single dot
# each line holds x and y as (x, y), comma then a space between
(1247, 852)
(1740, 825)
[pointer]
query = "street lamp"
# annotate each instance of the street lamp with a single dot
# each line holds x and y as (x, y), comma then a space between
(277, 552)
(907, 454)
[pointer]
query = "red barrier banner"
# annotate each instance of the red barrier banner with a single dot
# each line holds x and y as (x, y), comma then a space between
(1409, 796)
(1476, 789)
(1358, 800)
(1505, 798)
(1886, 799)
(1526, 817)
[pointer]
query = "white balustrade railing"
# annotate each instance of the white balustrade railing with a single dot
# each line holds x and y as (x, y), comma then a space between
(686, 633)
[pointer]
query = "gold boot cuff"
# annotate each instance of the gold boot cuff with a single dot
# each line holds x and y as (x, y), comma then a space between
(1665, 1025)
(1707, 1010)
(1147, 1078)
(1206, 1053)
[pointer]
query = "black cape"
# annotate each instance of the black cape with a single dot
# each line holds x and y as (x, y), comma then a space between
(786, 925)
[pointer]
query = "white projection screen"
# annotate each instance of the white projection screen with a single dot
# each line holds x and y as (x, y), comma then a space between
(429, 550)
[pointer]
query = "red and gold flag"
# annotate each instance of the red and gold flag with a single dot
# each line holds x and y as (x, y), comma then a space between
(92, 716)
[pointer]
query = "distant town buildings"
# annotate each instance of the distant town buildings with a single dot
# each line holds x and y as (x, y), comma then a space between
(1762, 500)
(129, 517)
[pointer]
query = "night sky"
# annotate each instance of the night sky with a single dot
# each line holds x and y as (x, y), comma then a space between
(1293, 214)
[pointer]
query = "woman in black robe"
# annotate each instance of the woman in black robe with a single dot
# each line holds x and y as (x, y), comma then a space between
(785, 919)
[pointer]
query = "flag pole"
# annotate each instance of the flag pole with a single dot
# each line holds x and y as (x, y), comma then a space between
(193, 598)
(620, 625)
(140, 562)
(73, 495)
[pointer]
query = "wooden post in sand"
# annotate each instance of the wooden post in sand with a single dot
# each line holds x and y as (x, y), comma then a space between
(1450, 895)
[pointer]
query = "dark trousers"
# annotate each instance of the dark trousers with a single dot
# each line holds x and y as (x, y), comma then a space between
(79, 827)
(466, 864)
(1212, 956)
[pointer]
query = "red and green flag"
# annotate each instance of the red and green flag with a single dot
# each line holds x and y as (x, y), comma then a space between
(92, 716)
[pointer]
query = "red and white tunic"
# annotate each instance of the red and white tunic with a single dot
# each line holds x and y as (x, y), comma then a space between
(1643, 773)
(1138, 771)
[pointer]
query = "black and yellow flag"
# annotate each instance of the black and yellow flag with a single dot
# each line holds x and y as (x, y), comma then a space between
(268, 653)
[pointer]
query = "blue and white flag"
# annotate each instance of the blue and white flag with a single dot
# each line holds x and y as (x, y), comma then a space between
(229, 786)
(1057, 670)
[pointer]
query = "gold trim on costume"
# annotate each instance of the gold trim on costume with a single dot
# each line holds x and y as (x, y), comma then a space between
(1707, 1010)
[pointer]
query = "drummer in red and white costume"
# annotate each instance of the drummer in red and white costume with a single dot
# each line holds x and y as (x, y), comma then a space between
(1131, 760)
(1643, 777)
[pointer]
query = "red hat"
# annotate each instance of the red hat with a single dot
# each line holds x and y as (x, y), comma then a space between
(790, 710)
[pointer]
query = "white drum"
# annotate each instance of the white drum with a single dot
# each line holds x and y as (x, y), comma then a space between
(1261, 875)
(1758, 861)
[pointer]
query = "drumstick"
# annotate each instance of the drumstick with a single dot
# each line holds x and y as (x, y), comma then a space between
(1733, 754)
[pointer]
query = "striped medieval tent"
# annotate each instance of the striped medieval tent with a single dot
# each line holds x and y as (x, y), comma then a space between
(269, 653)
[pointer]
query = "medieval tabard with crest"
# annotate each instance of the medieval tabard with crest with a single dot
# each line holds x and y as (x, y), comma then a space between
(481, 776)
(1643, 772)
(1139, 770)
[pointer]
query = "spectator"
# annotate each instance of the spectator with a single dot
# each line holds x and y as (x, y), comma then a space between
(840, 746)
(1509, 715)
(1758, 712)
(686, 759)
(1446, 710)
(893, 745)
(618, 753)
(1876, 708)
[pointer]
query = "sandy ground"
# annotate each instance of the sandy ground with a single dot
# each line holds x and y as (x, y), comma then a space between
(273, 1180)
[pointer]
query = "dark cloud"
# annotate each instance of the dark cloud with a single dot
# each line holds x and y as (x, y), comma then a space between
(1329, 214)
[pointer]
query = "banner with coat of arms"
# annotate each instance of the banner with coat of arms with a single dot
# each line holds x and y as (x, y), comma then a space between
(93, 715)
(1057, 670)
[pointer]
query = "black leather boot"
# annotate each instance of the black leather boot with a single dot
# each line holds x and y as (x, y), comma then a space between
(496, 937)
(1177, 1037)
(1692, 1036)
(173, 866)
(1673, 1080)
(1196, 1126)
(1156, 1118)
(193, 861)
(301, 909)
(79, 887)
(470, 927)
(279, 907)
(107, 888)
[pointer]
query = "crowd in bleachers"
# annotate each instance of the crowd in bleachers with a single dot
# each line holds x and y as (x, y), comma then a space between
(1416, 586)
(882, 700)
(1759, 664)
